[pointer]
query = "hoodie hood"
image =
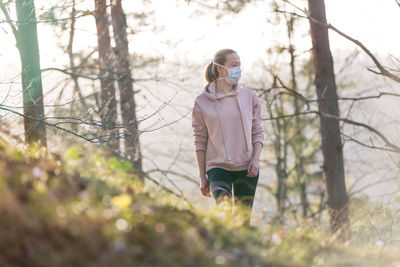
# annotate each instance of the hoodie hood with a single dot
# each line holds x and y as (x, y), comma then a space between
(209, 91)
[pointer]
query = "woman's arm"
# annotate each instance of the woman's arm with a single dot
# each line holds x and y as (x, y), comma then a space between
(254, 166)
(200, 138)
(257, 150)
(257, 137)
(201, 163)
(257, 132)
(200, 142)
(199, 128)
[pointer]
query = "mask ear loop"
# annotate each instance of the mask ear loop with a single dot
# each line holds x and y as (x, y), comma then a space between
(219, 65)
(209, 61)
(221, 78)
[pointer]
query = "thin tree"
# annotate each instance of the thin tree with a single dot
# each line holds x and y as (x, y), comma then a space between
(332, 147)
(25, 33)
(73, 67)
(108, 107)
(125, 85)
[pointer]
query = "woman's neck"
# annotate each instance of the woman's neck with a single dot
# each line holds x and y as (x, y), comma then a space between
(223, 87)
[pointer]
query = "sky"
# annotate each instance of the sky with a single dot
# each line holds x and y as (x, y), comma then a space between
(371, 22)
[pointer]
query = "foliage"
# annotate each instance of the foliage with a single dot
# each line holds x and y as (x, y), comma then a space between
(84, 209)
(299, 190)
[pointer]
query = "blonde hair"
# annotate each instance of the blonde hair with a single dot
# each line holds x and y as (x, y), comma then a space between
(220, 58)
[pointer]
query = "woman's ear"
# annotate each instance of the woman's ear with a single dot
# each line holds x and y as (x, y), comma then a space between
(221, 71)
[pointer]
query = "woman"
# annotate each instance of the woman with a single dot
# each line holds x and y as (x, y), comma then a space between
(228, 135)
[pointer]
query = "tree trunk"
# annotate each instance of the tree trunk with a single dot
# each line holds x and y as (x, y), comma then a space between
(332, 147)
(108, 109)
(27, 43)
(73, 109)
(125, 85)
(298, 139)
(280, 145)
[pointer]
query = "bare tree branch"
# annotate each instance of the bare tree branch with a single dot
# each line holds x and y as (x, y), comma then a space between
(148, 176)
(394, 148)
(382, 69)
(9, 21)
(97, 138)
(368, 146)
(97, 77)
(371, 129)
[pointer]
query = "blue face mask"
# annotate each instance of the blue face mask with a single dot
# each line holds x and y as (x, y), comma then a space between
(234, 74)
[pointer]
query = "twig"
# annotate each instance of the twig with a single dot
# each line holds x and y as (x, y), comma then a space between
(382, 69)
(394, 148)
(9, 21)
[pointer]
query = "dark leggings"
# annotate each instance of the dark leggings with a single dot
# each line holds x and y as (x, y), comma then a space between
(221, 182)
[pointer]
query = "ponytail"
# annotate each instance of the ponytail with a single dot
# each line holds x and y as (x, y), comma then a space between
(211, 73)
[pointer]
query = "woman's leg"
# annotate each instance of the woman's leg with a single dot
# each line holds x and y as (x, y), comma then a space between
(244, 190)
(220, 181)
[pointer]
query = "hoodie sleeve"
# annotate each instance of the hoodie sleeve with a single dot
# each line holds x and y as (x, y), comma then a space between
(257, 132)
(199, 128)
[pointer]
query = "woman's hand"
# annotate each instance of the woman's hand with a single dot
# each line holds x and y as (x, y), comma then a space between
(204, 187)
(252, 168)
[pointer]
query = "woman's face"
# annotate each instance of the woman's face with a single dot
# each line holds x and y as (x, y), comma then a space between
(232, 60)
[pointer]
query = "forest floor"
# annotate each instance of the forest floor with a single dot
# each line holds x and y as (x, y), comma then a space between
(85, 209)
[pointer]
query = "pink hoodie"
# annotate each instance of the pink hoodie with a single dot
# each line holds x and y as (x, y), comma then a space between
(227, 126)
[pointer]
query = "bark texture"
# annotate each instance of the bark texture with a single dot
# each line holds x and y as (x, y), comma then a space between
(332, 147)
(108, 110)
(27, 44)
(125, 85)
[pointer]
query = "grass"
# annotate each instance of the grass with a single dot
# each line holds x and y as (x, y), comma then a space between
(84, 209)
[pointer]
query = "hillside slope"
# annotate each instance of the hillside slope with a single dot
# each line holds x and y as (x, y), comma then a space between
(84, 209)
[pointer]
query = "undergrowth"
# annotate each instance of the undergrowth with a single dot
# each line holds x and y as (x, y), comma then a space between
(84, 208)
